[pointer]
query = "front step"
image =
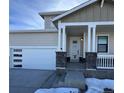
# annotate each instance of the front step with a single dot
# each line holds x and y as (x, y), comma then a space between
(71, 69)
(75, 66)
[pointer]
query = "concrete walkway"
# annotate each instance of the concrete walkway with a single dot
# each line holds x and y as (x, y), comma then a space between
(27, 81)
(76, 66)
(75, 79)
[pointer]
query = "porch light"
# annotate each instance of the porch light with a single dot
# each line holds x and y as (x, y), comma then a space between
(82, 39)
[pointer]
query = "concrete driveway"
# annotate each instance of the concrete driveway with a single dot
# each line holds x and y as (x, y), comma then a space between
(27, 81)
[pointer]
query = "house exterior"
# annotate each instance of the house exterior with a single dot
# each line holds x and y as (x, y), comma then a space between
(83, 33)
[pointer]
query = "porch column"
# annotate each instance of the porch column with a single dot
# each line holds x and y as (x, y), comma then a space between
(60, 54)
(59, 38)
(94, 38)
(84, 45)
(89, 39)
(64, 39)
(91, 55)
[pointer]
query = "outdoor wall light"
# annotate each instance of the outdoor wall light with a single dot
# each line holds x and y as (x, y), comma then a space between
(82, 39)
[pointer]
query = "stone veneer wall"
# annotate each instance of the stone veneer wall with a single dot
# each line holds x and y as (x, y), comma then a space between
(91, 58)
(61, 59)
(99, 73)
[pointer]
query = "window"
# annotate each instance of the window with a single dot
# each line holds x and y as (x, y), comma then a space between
(17, 58)
(102, 44)
(74, 42)
(17, 50)
(18, 65)
(17, 55)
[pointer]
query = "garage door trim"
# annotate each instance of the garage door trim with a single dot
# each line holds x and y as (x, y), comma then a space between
(55, 47)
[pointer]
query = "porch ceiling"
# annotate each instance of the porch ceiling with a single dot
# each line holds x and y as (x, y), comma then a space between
(76, 30)
(79, 30)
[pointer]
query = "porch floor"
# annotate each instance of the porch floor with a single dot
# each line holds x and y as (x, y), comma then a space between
(75, 66)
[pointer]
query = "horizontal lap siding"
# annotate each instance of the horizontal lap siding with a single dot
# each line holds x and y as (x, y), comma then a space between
(33, 39)
(92, 13)
(104, 31)
(110, 32)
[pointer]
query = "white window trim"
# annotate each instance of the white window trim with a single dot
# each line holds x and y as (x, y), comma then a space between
(97, 46)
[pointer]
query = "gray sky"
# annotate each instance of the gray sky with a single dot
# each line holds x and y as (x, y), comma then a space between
(23, 14)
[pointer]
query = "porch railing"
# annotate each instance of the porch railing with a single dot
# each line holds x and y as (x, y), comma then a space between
(105, 62)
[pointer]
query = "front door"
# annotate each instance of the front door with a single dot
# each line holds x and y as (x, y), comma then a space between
(74, 49)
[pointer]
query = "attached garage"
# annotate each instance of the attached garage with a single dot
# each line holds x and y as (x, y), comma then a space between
(35, 57)
(33, 49)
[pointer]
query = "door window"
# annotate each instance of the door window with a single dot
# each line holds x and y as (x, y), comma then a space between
(74, 42)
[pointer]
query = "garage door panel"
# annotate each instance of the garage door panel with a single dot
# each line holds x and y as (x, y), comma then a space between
(39, 58)
(33, 58)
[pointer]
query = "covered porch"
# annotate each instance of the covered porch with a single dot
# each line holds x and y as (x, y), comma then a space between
(86, 35)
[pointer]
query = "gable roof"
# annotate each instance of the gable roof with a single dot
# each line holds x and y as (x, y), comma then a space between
(75, 9)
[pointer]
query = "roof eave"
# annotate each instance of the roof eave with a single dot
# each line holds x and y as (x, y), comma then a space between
(42, 14)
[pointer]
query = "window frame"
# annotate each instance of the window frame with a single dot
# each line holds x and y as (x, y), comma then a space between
(97, 43)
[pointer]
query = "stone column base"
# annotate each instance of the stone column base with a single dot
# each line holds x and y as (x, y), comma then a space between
(91, 58)
(61, 59)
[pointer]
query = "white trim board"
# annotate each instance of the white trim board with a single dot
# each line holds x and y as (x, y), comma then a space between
(74, 9)
(86, 23)
(33, 47)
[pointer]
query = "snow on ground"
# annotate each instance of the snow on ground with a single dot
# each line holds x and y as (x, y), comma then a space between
(94, 86)
(58, 90)
(98, 85)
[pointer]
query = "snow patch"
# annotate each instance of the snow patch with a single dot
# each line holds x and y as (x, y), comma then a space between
(98, 85)
(58, 90)
(94, 86)
(94, 90)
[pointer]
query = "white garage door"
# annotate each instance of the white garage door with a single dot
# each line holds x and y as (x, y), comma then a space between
(34, 58)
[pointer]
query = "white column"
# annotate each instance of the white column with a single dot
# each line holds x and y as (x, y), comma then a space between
(64, 39)
(59, 38)
(84, 44)
(89, 39)
(94, 39)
